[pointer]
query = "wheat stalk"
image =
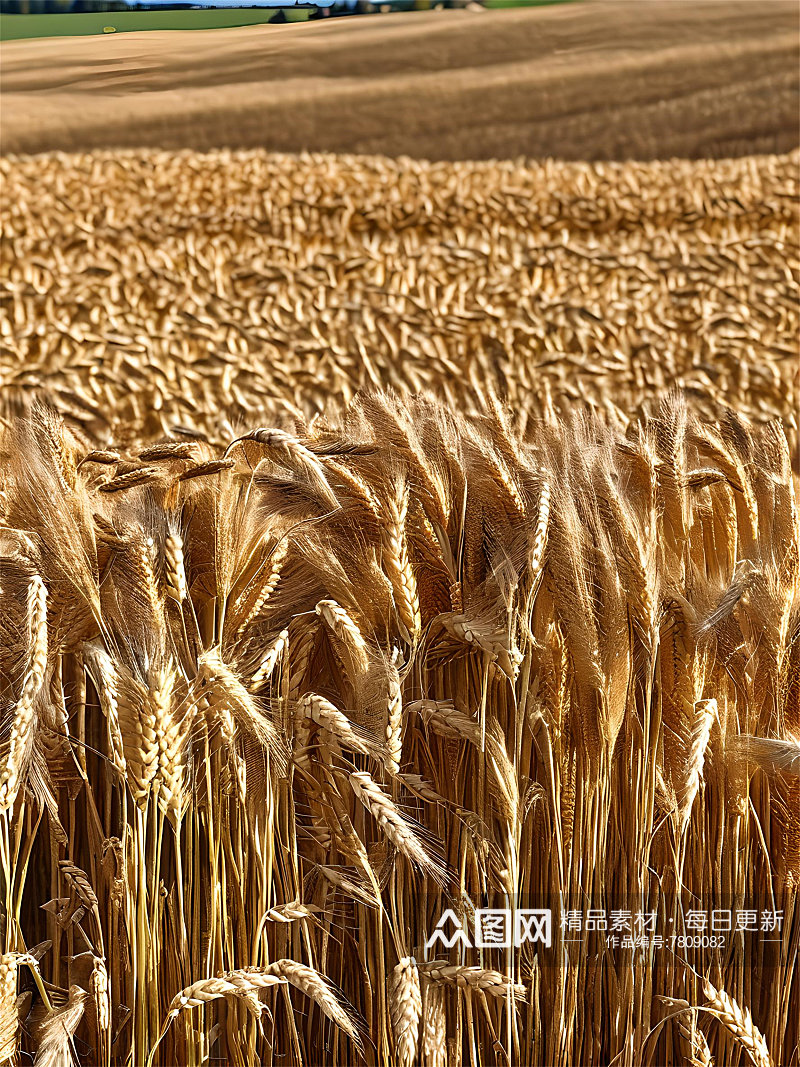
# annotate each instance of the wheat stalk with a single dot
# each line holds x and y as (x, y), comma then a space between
(8, 1007)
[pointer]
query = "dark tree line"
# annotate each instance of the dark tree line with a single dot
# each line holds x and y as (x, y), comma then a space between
(53, 7)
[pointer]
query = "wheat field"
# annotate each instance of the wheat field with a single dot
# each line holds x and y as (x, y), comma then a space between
(381, 538)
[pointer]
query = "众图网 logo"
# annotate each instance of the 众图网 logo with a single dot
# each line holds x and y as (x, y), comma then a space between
(494, 928)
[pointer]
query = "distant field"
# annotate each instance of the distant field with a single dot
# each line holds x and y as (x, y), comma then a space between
(81, 24)
(575, 80)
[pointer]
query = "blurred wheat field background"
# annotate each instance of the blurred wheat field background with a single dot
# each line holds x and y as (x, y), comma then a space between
(381, 537)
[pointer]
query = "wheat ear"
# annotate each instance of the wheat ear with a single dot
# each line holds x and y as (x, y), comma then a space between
(14, 751)
(129, 480)
(326, 715)
(230, 984)
(270, 660)
(174, 568)
(277, 560)
(353, 646)
(99, 982)
(434, 1028)
(405, 1009)
(446, 720)
(698, 1053)
(291, 912)
(319, 989)
(289, 452)
(394, 825)
(397, 564)
(394, 723)
(490, 982)
(140, 711)
(536, 559)
(738, 1020)
(705, 711)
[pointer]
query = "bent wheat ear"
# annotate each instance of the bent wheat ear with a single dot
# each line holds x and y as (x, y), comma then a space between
(102, 456)
(130, 480)
(396, 827)
(740, 1024)
(289, 913)
(203, 470)
(168, 450)
(229, 984)
(487, 981)
(325, 995)
(354, 647)
(270, 660)
(745, 576)
(771, 754)
(224, 690)
(698, 1053)
(289, 452)
(79, 883)
(446, 720)
(336, 722)
(363, 893)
